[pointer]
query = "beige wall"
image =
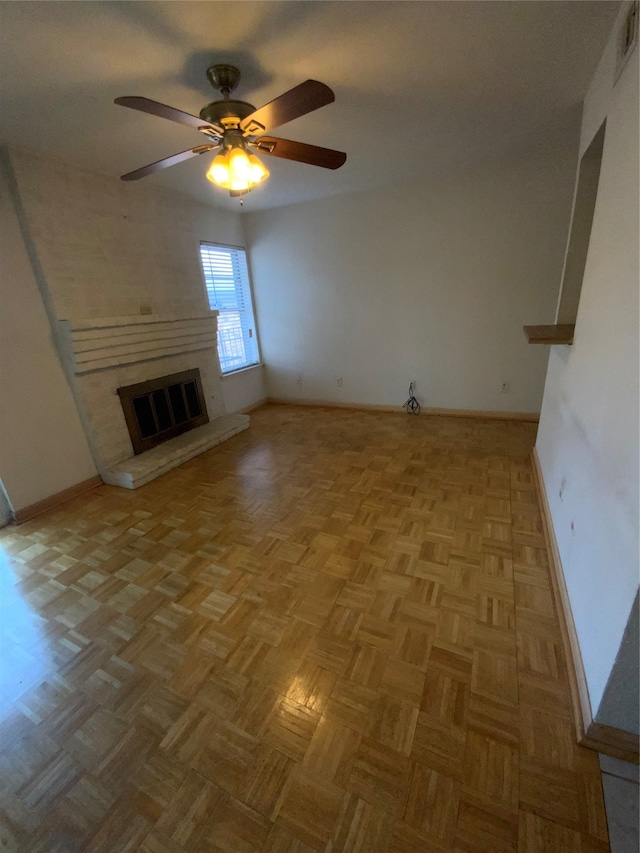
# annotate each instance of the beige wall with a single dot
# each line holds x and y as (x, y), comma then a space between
(43, 449)
(244, 389)
(589, 437)
(429, 283)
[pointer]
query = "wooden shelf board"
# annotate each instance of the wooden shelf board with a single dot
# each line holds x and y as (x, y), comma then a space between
(561, 334)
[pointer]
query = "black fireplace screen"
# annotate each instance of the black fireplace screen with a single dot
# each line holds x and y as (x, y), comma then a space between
(162, 408)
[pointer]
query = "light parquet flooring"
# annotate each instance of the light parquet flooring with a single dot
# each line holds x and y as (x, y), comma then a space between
(335, 632)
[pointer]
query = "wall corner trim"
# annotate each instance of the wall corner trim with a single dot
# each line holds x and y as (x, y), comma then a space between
(590, 734)
(31, 511)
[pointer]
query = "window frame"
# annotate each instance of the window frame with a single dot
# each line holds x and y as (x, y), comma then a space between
(242, 283)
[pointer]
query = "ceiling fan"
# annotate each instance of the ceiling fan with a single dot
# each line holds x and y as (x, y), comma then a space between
(237, 129)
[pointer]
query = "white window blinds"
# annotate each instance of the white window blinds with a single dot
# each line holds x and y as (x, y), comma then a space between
(227, 281)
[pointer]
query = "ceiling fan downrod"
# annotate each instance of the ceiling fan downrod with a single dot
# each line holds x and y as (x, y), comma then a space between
(225, 78)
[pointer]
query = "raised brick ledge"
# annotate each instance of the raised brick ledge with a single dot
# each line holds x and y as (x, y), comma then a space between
(111, 343)
(138, 470)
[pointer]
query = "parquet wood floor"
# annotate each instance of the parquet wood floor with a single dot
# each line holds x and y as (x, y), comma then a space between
(335, 632)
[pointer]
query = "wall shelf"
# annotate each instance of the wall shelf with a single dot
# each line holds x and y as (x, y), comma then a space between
(559, 334)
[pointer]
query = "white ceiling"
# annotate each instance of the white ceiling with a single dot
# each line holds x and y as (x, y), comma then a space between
(420, 87)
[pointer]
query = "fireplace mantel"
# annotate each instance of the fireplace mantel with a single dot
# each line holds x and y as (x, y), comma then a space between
(109, 342)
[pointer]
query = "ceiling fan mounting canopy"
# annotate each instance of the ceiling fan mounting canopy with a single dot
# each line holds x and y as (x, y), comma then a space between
(224, 78)
(236, 127)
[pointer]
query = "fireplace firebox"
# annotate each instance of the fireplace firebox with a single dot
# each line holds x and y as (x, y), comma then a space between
(163, 408)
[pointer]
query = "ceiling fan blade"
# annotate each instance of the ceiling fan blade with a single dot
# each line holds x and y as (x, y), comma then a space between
(314, 155)
(167, 161)
(302, 99)
(145, 105)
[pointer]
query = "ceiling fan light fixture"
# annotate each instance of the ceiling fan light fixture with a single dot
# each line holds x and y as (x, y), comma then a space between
(218, 172)
(239, 170)
(234, 169)
(259, 171)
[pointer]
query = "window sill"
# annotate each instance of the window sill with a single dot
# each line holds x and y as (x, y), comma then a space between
(241, 370)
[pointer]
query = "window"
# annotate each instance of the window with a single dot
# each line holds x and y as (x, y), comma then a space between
(227, 281)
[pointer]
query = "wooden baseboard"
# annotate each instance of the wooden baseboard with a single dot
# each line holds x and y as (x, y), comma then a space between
(605, 739)
(532, 417)
(580, 701)
(31, 511)
(331, 404)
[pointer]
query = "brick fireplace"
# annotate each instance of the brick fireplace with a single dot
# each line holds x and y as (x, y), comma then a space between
(107, 354)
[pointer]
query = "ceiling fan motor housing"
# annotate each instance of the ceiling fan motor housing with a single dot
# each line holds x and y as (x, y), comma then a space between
(216, 111)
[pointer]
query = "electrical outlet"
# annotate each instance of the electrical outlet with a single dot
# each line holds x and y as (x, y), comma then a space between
(504, 387)
(339, 381)
(299, 379)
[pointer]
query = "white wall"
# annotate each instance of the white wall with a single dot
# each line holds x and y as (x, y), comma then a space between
(429, 283)
(43, 449)
(244, 389)
(588, 437)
